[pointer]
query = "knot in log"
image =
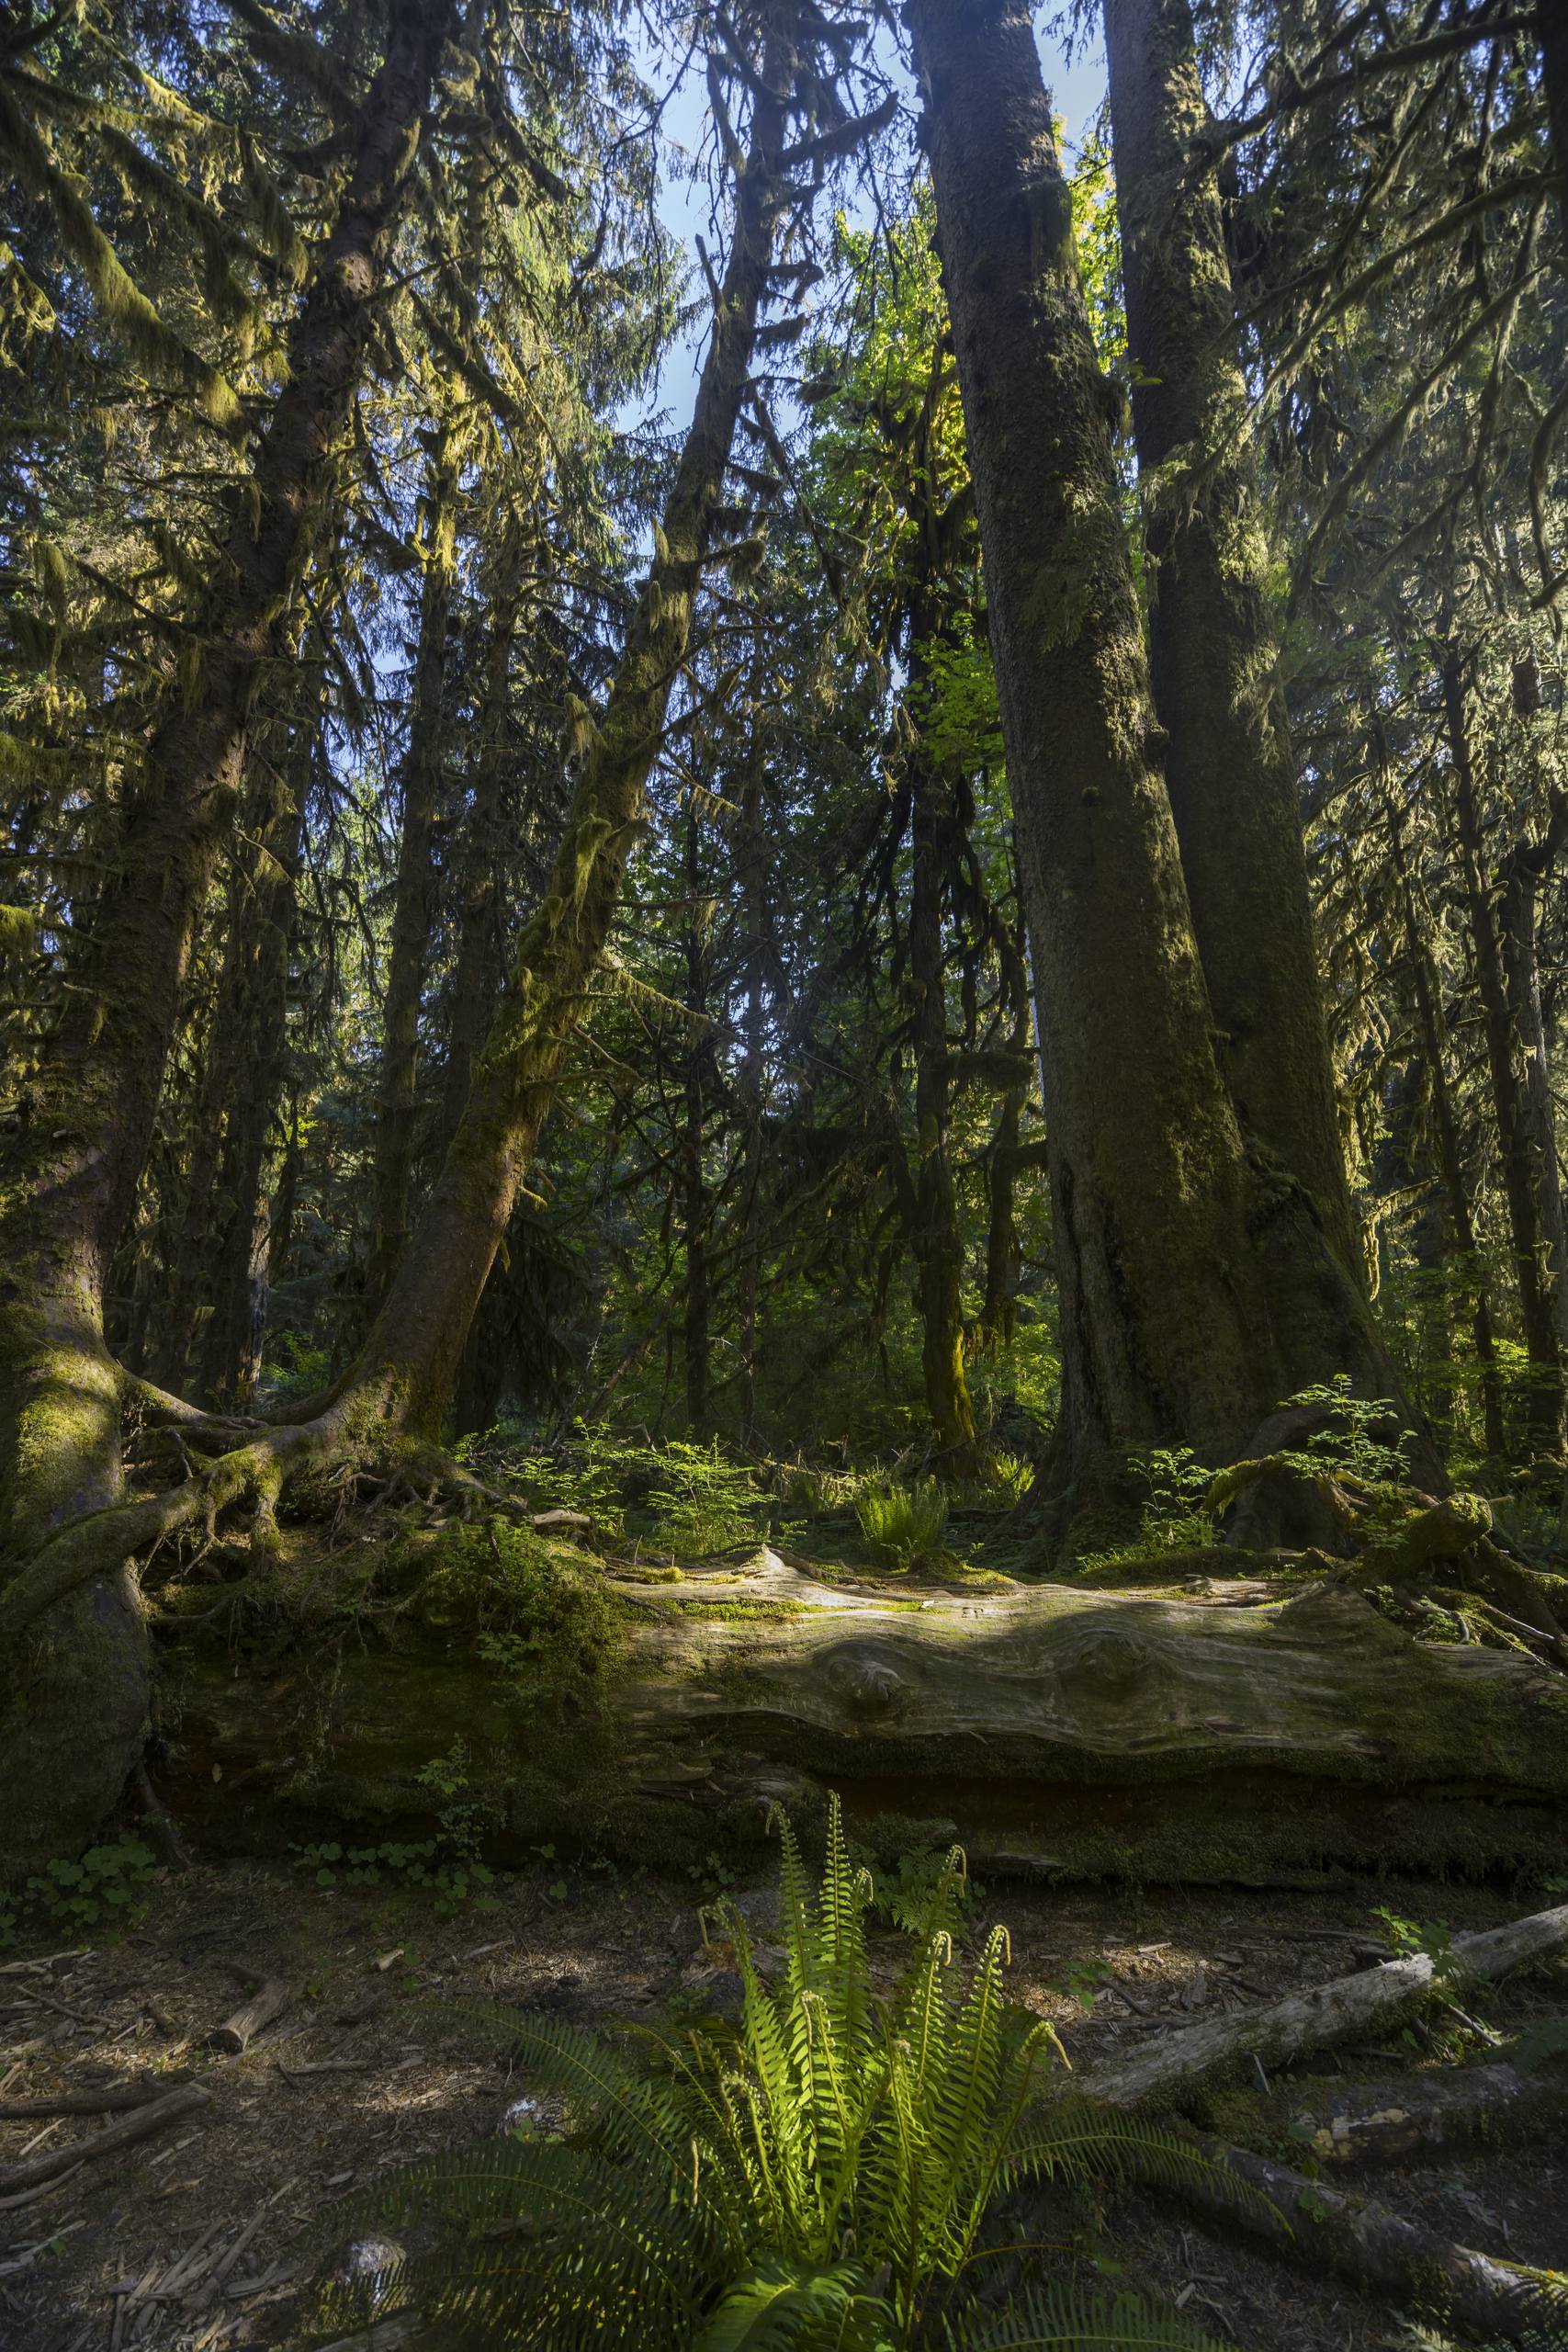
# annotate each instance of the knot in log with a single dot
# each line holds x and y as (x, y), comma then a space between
(1105, 1658)
(868, 1681)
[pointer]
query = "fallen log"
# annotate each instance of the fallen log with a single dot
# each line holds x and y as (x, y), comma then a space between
(140, 2123)
(1154, 1732)
(1347, 2006)
(1314, 2225)
(1428, 2112)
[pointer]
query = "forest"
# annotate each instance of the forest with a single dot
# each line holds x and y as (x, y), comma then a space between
(783, 1255)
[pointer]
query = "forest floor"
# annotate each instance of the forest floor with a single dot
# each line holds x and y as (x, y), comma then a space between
(203, 2241)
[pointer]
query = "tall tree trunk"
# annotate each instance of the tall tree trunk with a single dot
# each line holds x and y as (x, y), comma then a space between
(1450, 1160)
(397, 1095)
(1163, 1317)
(939, 1248)
(1229, 769)
(473, 979)
(694, 1332)
(406, 1369)
(72, 1705)
(749, 1275)
(236, 1267)
(1534, 1272)
(1538, 1116)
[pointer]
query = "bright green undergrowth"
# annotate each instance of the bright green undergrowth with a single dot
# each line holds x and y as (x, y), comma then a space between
(821, 2176)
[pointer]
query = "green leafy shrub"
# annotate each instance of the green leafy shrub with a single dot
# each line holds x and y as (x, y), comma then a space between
(106, 1887)
(702, 1503)
(822, 2177)
(902, 1524)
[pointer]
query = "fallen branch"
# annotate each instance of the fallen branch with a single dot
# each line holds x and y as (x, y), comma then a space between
(140, 2124)
(1432, 2111)
(1347, 2006)
(1313, 2224)
(140, 2090)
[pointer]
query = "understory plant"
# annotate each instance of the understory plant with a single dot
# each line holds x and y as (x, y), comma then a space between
(901, 1524)
(826, 2174)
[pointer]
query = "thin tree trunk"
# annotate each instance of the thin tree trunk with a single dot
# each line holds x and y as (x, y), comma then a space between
(1450, 1160)
(1538, 1116)
(237, 1284)
(753, 1019)
(398, 1094)
(695, 1335)
(1532, 1267)
(477, 956)
(1163, 1319)
(939, 1248)
(406, 1369)
(1229, 768)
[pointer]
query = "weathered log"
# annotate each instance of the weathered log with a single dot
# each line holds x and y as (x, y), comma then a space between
(271, 1998)
(1154, 1732)
(1313, 2224)
(1428, 2112)
(1370, 2001)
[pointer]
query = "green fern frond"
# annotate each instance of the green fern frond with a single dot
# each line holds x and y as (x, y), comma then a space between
(1074, 2137)
(1060, 2321)
(784, 2308)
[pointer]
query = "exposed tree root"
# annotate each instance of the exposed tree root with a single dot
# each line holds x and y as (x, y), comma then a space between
(251, 1474)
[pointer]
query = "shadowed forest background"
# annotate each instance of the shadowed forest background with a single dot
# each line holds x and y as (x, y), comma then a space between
(783, 966)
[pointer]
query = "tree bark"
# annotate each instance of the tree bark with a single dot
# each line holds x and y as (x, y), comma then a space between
(478, 957)
(1229, 767)
(231, 1344)
(1164, 1324)
(72, 1711)
(938, 1245)
(1534, 1272)
(1450, 1157)
(695, 1207)
(398, 1093)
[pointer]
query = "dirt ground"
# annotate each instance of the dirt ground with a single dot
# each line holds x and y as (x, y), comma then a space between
(202, 2238)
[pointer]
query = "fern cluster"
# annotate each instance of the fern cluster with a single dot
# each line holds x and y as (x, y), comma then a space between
(822, 2177)
(900, 1524)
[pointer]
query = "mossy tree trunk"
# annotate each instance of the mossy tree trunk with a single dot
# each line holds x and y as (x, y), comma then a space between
(236, 1265)
(73, 1706)
(695, 1207)
(1450, 1160)
(1229, 768)
(396, 1097)
(1164, 1324)
(937, 1242)
(1528, 1183)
